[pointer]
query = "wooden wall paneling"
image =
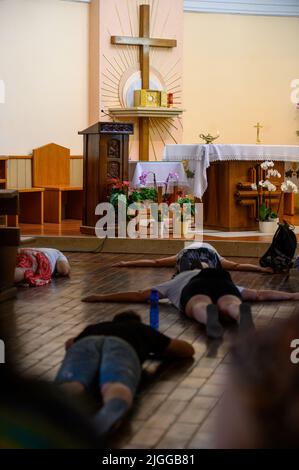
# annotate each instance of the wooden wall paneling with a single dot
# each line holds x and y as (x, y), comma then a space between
(76, 172)
(12, 180)
(28, 174)
(21, 174)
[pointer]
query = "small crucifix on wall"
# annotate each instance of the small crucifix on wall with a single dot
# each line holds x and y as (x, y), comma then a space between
(258, 128)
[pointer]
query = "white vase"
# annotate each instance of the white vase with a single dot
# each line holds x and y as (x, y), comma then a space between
(268, 226)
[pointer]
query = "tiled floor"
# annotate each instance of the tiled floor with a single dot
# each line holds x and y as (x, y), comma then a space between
(177, 403)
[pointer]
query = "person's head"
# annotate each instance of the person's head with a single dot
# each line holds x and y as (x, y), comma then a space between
(128, 315)
(262, 400)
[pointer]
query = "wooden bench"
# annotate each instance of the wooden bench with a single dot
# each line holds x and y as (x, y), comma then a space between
(31, 200)
(62, 202)
(51, 171)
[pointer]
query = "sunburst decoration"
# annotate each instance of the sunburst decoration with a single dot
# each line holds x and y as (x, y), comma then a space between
(126, 59)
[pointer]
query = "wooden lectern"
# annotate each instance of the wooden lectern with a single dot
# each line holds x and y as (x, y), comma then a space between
(106, 156)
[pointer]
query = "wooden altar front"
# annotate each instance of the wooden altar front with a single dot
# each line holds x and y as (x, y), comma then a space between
(230, 203)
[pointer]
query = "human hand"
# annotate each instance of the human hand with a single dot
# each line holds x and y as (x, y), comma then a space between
(267, 270)
(119, 264)
(69, 343)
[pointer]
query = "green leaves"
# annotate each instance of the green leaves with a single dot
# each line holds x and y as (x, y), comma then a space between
(266, 213)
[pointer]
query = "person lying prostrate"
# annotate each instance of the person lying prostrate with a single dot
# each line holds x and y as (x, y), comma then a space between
(106, 358)
(200, 294)
(36, 266)
(190, 257)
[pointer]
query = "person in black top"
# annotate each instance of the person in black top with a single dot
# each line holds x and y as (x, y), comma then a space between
(109, 355)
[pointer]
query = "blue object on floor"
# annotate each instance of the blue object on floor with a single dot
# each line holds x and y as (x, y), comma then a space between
(154, 309)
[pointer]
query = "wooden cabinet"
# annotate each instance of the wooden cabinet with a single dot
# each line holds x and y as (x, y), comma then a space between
(106, 156)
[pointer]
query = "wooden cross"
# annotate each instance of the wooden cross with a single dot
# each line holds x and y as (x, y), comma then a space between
(145, 42)
(258, 127)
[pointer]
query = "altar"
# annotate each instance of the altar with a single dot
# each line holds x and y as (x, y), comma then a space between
(158, 173)
(222, 176)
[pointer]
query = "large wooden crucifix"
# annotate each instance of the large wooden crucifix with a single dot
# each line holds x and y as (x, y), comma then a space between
(145, 42)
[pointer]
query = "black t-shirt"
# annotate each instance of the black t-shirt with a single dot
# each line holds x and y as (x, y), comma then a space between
(145, 340)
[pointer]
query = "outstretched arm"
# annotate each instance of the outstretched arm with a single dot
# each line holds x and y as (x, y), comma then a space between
(160, 262)
(251, 295)
(141, 296)
(232, 266)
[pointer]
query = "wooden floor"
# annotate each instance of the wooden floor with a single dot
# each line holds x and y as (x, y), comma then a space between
(72, 228)
(177, 407)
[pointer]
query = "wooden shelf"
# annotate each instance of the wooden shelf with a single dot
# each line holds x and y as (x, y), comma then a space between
(146, 112)
(2, 180)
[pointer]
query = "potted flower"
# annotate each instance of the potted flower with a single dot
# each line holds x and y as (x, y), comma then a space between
(149, 194)
(119, 191)
(185, 221)
(268, 218)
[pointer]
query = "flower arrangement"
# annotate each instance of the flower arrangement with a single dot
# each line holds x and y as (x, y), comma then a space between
(173, 176)
(266, 212)
(289, 187)
(144, 176)
(119, 190)
(265, 208)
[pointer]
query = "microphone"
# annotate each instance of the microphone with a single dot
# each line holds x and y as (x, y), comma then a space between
(108, 114)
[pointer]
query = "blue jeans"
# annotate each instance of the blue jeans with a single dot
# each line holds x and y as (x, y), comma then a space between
(96, 360)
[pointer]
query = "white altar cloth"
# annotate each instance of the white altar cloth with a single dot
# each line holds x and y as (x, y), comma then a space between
(161, 170)
(200, 156)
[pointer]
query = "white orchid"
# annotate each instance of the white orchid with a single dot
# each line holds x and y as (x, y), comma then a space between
(267, 185)
(266, 165)
(289, 187)
(273, 173)
(254, 187)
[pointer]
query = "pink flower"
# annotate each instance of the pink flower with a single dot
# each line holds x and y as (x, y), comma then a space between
(143, 178)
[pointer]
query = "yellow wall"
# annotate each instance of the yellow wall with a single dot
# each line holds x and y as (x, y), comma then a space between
(237, 71)
(44, 63)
